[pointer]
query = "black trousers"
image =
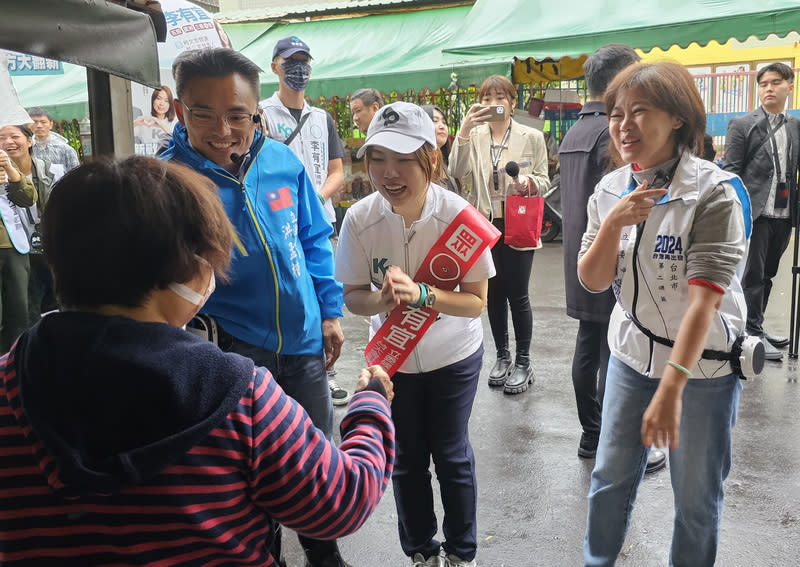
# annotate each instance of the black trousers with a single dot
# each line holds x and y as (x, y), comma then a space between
(589, 368)
(768, 241)
(509, 289)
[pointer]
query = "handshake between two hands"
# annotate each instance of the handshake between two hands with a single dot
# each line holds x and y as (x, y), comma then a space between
(367, 374)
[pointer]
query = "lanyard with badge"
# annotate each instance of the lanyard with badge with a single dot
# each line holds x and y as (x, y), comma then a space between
(781, 191)
(497, 198)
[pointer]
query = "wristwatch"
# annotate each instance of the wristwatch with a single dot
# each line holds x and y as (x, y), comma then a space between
(430, 298)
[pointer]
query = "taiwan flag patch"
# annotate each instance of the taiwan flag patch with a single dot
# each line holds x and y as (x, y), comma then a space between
(280, 198)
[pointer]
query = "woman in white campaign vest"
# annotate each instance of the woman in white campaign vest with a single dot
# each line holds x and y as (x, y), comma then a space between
(668, 232)
(17, 141)
(15, 191)
(384, 239)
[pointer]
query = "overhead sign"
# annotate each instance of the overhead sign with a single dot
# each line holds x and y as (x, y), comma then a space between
(20, 64)
(188, 27)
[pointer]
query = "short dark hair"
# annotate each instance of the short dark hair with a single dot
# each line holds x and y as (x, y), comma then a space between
(670, 87)
(368, 96)
(214, 62)
(603, 65)
(115, 231)
(39, 111)
(499, 83)
(781, 68)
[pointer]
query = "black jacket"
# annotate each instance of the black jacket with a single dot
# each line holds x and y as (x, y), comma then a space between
(583, 156)
(748, 153)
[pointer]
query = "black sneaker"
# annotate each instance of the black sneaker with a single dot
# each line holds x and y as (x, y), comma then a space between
(587, 449)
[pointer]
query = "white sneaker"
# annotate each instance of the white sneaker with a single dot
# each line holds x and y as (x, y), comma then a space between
(455, 561)
(339, 396)
(432, 561)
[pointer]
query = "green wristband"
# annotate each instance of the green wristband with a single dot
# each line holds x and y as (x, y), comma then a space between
(677, 366)
(423, 295)
(321, 199)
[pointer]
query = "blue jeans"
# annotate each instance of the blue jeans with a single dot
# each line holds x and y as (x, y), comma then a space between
(697, 468)
(301, 376)
(431, 416)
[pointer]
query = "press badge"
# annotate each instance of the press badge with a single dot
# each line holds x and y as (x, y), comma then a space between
(497, 205)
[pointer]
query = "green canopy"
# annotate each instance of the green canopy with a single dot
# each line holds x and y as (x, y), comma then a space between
(64, 96)
(242, 35)
(522, 28)
(389, 52)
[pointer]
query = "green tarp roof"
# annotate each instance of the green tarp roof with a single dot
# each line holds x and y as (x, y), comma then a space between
(522, 28)
(65, 96)
(386, 51)
(414, 50)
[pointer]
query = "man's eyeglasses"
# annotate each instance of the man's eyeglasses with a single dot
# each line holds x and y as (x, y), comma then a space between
(207, 117)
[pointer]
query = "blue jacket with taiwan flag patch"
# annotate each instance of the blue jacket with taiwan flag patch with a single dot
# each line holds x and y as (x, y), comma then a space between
(282, 283)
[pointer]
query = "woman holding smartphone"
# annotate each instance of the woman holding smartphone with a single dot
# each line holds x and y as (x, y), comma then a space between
(488, 139)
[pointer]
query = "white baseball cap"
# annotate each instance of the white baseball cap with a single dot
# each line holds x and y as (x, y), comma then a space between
(402, 127)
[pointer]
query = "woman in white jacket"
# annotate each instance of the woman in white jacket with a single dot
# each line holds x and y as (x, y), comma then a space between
(482, 149)
(668, 232)
(384, 239)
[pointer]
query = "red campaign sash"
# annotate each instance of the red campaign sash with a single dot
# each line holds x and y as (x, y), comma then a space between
(448, 261)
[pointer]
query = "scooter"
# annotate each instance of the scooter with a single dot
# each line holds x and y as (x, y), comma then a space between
(551, 217)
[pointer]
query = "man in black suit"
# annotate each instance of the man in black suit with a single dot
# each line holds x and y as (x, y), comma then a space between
(762, 148)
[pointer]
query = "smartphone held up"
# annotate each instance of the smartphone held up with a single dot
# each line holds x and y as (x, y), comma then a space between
(497, 113)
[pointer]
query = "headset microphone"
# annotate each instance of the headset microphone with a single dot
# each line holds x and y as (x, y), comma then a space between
(257, 118)
(236, 158)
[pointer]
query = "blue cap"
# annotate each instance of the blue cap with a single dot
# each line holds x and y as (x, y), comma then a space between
(288, 46)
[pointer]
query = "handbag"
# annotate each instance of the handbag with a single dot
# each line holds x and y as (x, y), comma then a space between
(523, 221)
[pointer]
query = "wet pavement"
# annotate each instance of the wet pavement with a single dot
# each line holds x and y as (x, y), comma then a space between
(532, 486)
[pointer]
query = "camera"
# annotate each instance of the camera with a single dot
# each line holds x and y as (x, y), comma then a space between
(747, 356)
(36, 242)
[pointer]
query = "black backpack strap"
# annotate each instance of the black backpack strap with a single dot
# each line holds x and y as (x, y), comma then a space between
(296, 131)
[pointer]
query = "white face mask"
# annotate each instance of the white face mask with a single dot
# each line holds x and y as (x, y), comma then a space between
(191, 295)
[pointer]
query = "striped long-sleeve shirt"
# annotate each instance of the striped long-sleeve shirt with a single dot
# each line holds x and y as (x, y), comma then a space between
(213, 505)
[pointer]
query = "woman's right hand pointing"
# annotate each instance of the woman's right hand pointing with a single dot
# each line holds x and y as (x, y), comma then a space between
(634, 207)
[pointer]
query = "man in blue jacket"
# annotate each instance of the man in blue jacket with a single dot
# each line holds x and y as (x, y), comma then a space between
(282, 305)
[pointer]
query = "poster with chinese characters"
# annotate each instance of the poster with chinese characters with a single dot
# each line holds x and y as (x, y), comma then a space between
(22, 64)
(188, 27)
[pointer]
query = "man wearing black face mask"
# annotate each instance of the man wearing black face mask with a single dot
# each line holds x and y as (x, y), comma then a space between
(316, 143)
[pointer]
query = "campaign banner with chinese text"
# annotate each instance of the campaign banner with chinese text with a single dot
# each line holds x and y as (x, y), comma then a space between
(188, 27)
(449, 259)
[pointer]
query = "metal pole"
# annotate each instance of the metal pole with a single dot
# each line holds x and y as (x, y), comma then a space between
(794, 316)
(111, 114)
